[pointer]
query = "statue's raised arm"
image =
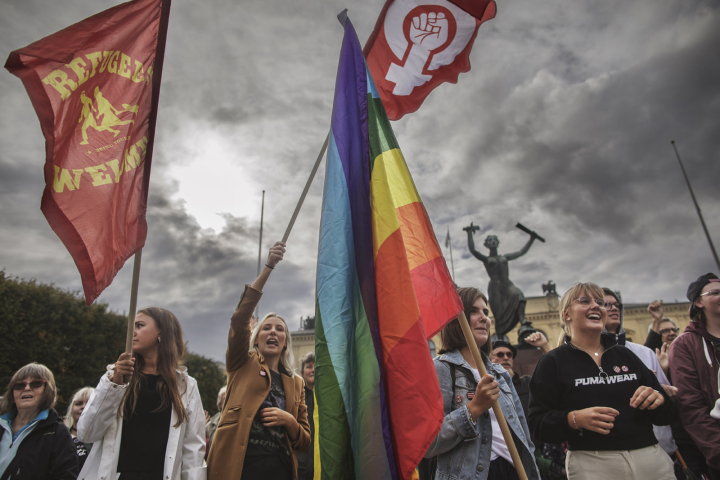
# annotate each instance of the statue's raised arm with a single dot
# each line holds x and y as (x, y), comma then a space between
(523, 250)
(471, 242)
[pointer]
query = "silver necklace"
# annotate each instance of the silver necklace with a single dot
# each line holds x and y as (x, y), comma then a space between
(596, 351)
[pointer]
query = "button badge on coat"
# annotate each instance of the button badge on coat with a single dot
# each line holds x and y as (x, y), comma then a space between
(470, 395)
(458, 399)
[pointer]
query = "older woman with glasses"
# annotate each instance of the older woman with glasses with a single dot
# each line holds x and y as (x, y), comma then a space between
(599, 397)
(34, 444)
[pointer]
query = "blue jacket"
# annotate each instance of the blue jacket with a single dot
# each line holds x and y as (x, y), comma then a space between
(463, 449)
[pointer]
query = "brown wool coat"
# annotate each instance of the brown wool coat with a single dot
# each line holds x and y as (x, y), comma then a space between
(246, 391)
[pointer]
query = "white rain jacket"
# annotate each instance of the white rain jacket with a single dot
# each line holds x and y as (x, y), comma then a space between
(100, 425)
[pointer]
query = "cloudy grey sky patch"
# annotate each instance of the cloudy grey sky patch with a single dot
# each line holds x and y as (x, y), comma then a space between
(563, 124)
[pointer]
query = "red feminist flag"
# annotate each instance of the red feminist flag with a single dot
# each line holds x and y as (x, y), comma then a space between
(95, 88)
(419, 44)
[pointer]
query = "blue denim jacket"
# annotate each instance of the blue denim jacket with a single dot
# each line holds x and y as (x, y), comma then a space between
(463, 449)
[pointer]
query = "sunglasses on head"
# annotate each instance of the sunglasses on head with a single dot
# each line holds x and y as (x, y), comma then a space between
(504, 354)
(35, 384)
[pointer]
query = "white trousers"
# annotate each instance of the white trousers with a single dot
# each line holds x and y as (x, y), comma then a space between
(649, 463)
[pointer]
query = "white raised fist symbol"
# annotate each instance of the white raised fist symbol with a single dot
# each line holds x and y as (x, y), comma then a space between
(429, 30)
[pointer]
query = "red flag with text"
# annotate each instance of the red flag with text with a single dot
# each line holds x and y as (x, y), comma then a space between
(419, 44)
(95, 88)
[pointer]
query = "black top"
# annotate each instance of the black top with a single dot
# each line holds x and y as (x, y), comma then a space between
(82, 450)
(47, 452)
(522, 387)
(268, 453)
(145, 434)
(653, 340)
(567, 379)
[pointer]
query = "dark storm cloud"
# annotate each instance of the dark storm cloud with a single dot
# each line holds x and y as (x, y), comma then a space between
(563, 124)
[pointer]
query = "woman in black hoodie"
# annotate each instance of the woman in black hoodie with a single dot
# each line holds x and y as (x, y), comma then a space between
(599, 397)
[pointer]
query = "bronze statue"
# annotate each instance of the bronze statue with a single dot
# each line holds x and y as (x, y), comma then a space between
(506, 300)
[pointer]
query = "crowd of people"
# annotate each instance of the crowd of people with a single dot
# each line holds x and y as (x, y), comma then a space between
(596, 406)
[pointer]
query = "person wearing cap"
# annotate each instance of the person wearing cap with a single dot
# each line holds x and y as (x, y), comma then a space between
(694, 367)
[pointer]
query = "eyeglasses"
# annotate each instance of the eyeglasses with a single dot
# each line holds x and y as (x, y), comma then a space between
(587, 301)
(712, 293)
(35, 384)
(611, 305)
(509, 355)
(668, 330)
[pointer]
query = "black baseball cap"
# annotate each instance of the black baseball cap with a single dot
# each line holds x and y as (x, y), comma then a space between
(501, 343)
(695, 288)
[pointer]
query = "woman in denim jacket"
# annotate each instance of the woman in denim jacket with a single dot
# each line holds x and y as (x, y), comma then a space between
(470, 444)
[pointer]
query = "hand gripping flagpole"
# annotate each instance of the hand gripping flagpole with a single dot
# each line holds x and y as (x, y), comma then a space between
(133, 301)
(496, 405)
(307, 187)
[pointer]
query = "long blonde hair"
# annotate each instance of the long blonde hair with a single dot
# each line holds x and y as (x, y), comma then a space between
(570, 295)
(287, 359)
(85, 393)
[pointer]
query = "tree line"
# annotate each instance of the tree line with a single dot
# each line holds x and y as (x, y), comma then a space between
(45, 324)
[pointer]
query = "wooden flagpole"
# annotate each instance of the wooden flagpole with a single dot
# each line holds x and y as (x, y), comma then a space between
(133, 301)
(452, 264)
(496, 405)
(262, 214)
(305, 191)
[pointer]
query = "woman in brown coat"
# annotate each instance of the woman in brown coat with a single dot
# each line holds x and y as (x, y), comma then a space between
(264, 419)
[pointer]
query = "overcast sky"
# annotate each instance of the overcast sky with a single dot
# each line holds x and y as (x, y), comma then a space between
(563, 124)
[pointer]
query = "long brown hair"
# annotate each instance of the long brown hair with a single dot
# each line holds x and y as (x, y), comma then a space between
(171, 350)
(452, 336)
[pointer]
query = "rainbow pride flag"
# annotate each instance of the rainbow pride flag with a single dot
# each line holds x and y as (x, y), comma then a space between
(383, 289)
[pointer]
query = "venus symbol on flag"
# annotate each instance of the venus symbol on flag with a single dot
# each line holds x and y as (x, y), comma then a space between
(419, 44)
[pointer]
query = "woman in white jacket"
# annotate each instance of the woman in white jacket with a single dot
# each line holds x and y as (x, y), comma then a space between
(145, 417)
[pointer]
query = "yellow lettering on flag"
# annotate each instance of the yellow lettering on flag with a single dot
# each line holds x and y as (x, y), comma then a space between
(113, 64)
(77, 65)
(59, 80)
(124, 69)
(94, 58)
(106, 58)
(98, 177)
(138, 76)
(116, 168)
(62, 180)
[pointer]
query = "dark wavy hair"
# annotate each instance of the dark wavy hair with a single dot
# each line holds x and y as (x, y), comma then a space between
(452, 336)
